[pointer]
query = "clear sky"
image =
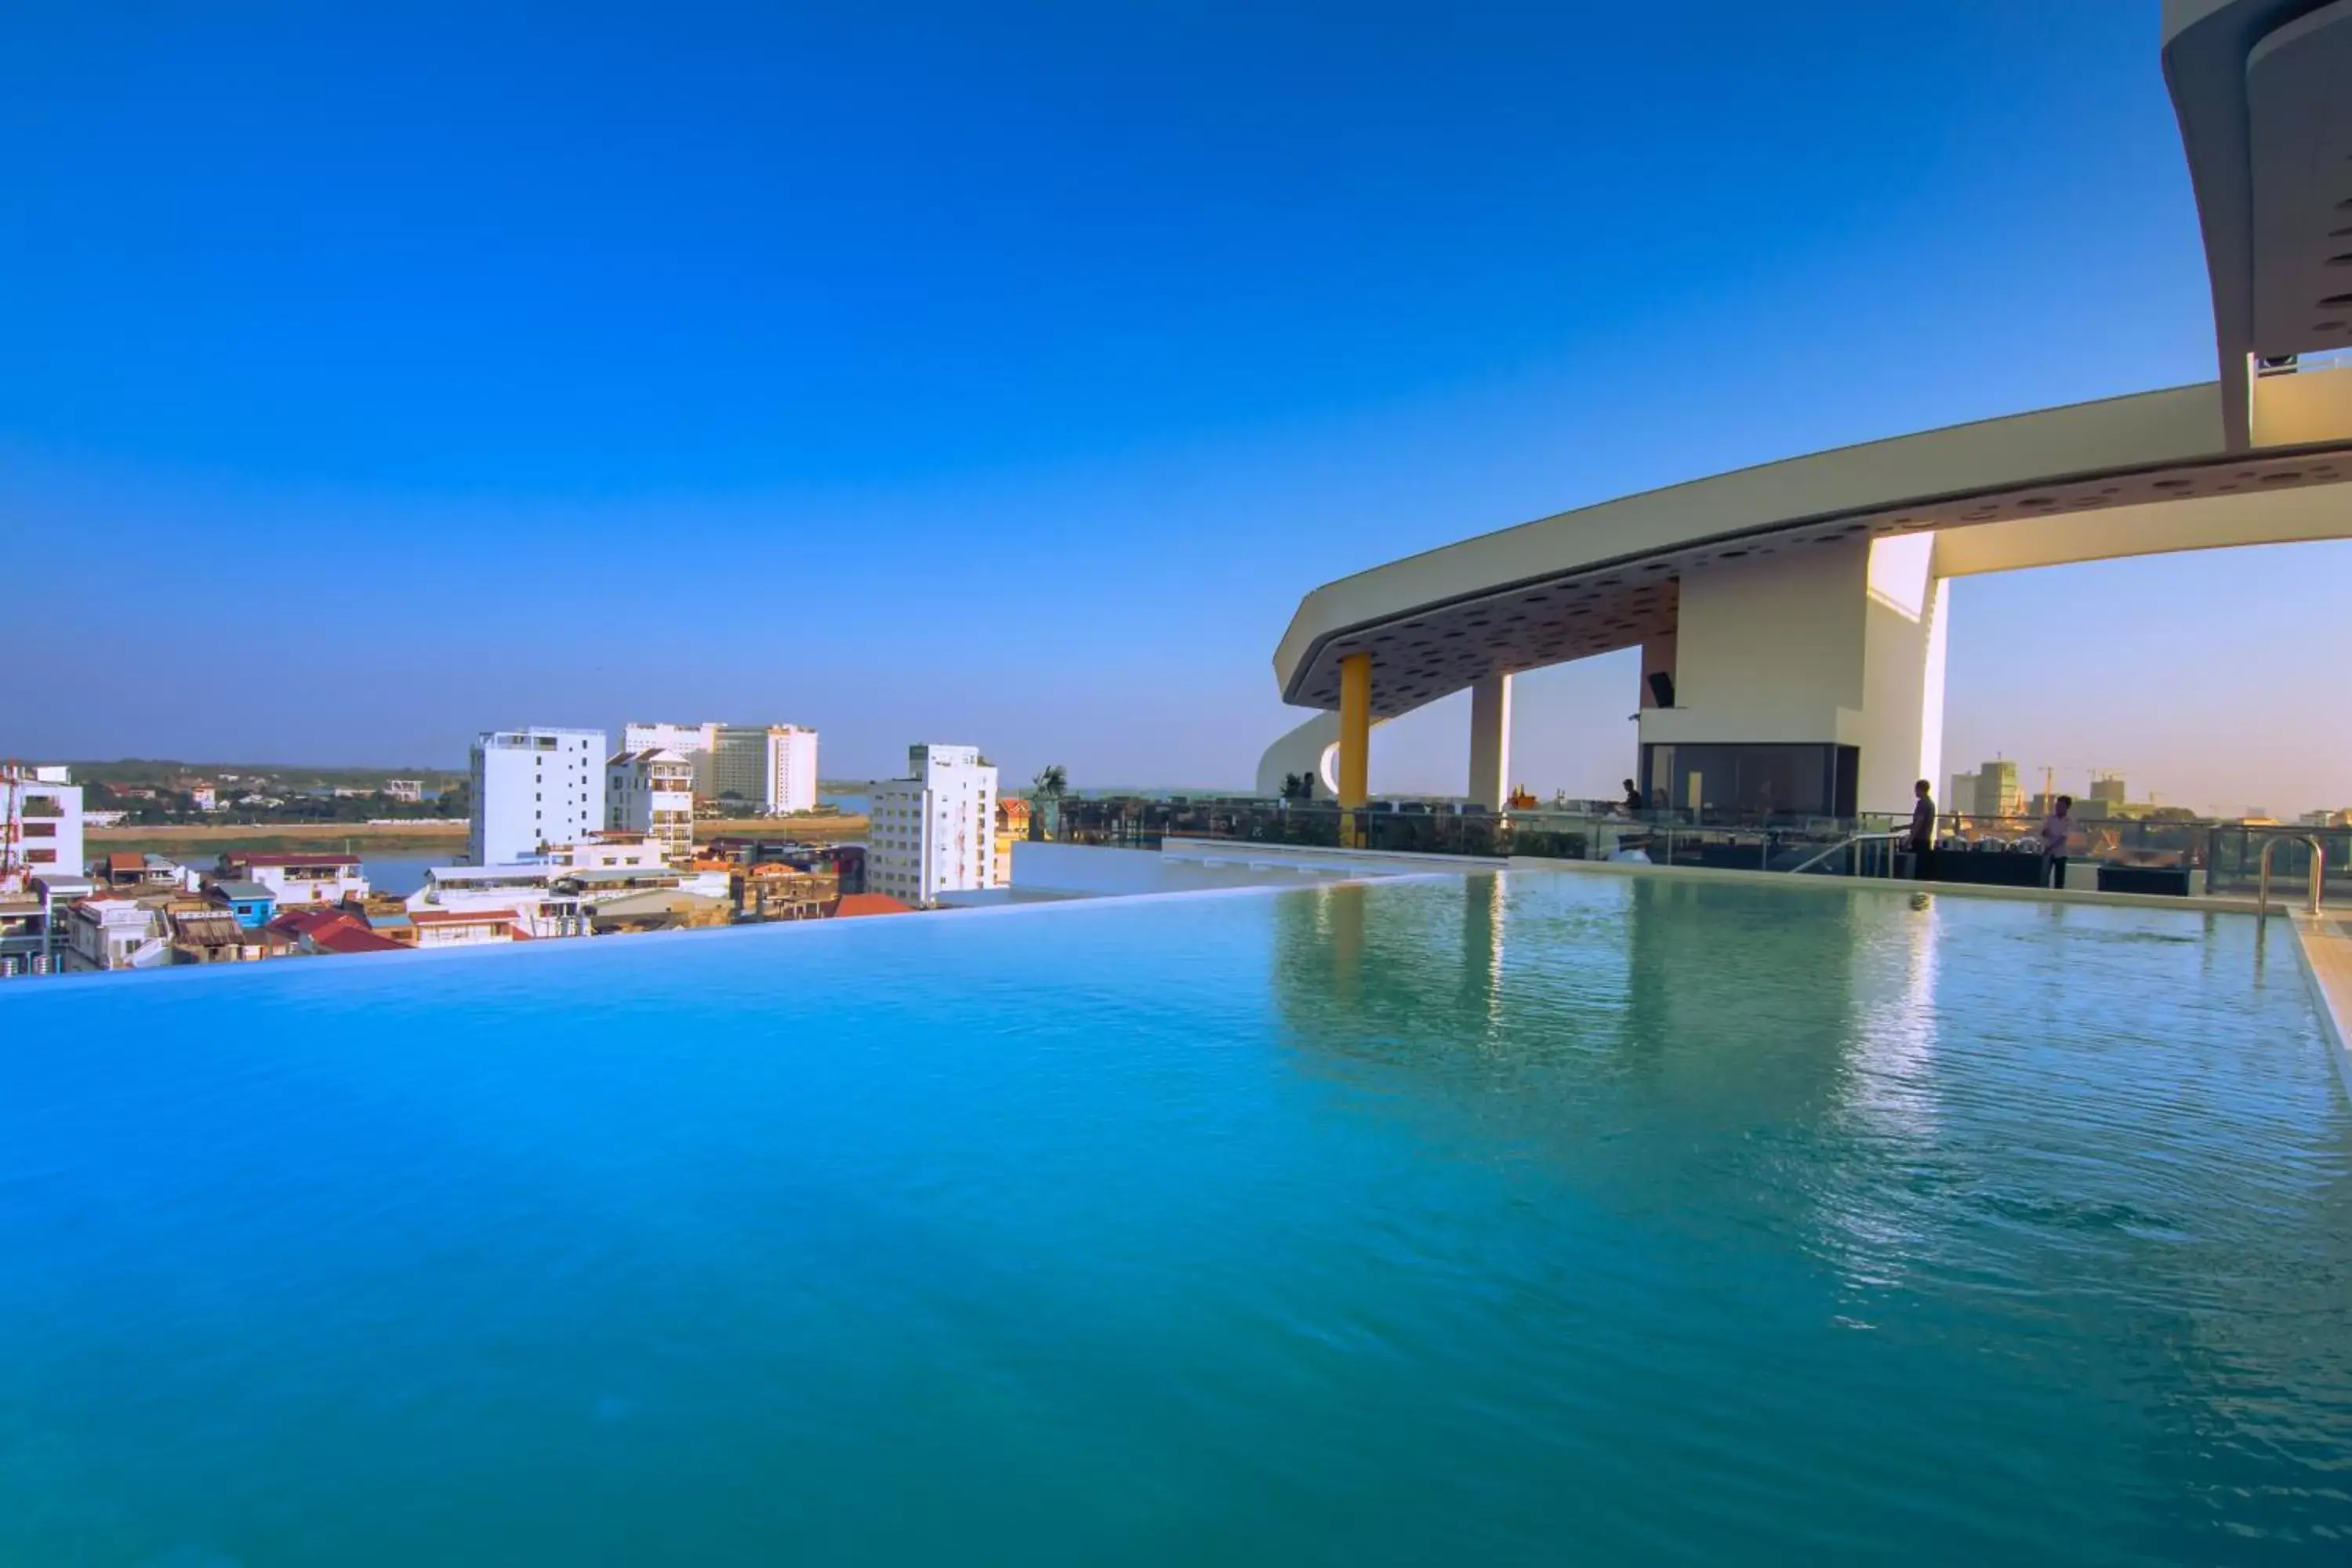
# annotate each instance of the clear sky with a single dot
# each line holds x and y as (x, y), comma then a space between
(1006, 374)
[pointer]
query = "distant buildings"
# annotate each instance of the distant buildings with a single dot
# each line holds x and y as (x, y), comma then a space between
(846, 863)
(411, 791)
(610, 851)
(334, 931)
(523, 895)
(531, 788)
(1011, 828)
(252, 904)
(205, 933)
(855, 906)
(1998, 792)
(36, 917)
(298, 879)
(769, 767)
(772, 890)
(935, 831)
(1991, 791)
(651, 792)
(40, 823)
(138, 870)
(698, 743)
(109, 932)
(463, 928)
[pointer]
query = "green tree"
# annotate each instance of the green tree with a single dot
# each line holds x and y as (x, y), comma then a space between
(1045, 793)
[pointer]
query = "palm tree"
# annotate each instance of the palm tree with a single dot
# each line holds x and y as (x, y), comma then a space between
(1052, 783)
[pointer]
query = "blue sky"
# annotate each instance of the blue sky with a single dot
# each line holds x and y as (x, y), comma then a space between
(1005, 375)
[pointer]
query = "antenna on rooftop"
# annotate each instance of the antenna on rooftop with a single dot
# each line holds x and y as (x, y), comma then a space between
(11, 771)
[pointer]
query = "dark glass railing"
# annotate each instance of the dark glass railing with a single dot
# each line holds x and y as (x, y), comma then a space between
(2234, 854)
(2228, 853)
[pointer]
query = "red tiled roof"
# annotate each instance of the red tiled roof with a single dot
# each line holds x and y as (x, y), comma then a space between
(353, 937)
(852, 905)
(125, 860)
(310, 921)
(334, 931)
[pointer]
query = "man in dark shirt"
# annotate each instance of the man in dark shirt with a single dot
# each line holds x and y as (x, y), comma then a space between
(2057, 829)
(1921, 840)
(1633, 803)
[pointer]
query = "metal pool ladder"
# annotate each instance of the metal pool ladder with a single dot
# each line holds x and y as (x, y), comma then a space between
(1850, 846)
(2262, 875)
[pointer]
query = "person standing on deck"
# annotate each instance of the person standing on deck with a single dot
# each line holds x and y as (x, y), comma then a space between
(2056, 830)
(1921, 840)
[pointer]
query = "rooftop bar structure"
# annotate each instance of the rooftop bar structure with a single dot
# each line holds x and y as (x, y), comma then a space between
(1791, 617)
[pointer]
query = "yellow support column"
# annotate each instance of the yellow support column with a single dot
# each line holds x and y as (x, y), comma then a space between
(1355, 744)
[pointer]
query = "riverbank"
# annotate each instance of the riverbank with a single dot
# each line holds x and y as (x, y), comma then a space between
(277, 836)
(820, 827)
(423, 836)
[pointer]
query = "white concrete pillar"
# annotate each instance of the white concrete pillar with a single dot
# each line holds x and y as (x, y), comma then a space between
(1490, 742)
(1836, 644)
(1901, 724)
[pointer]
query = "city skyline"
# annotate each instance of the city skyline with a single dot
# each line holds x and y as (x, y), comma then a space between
(1101, 407)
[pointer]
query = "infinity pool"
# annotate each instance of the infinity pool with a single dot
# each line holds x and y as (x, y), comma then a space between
(1516, 1220)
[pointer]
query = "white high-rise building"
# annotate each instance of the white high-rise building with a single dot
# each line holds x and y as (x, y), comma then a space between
(40, 823)
(698, 743)
(934, 832)
(652, 792)
(534, 787)
(772, 768)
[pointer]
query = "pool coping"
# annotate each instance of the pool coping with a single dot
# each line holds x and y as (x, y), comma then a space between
(1465, 864)
(2323, 947)
(2195, 904)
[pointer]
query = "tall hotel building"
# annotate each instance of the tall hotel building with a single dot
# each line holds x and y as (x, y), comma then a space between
(935, 831)
(533, 789)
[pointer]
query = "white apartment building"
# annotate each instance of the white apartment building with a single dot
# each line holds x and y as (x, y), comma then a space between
(409, 790)
(40, 822)
(119, 933)
(771, 767)
(935, 831)
(611, 852)
(298, 879)
(533, 789)
(652, 792)
(698, 743)
(523, 897)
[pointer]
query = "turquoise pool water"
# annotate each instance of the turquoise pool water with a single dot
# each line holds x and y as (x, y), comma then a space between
(1524, 1220)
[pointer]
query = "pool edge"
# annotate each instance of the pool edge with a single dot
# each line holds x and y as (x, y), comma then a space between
(2324, 948)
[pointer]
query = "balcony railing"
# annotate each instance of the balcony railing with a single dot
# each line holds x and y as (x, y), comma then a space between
(2228, 853)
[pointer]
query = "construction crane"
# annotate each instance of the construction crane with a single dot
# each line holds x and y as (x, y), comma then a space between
(11, 817)
(2049, 780)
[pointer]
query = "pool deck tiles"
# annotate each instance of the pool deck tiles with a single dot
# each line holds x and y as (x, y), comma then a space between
(2326, 944)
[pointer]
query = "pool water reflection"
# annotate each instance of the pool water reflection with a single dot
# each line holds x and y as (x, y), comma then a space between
(1503, 1219)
